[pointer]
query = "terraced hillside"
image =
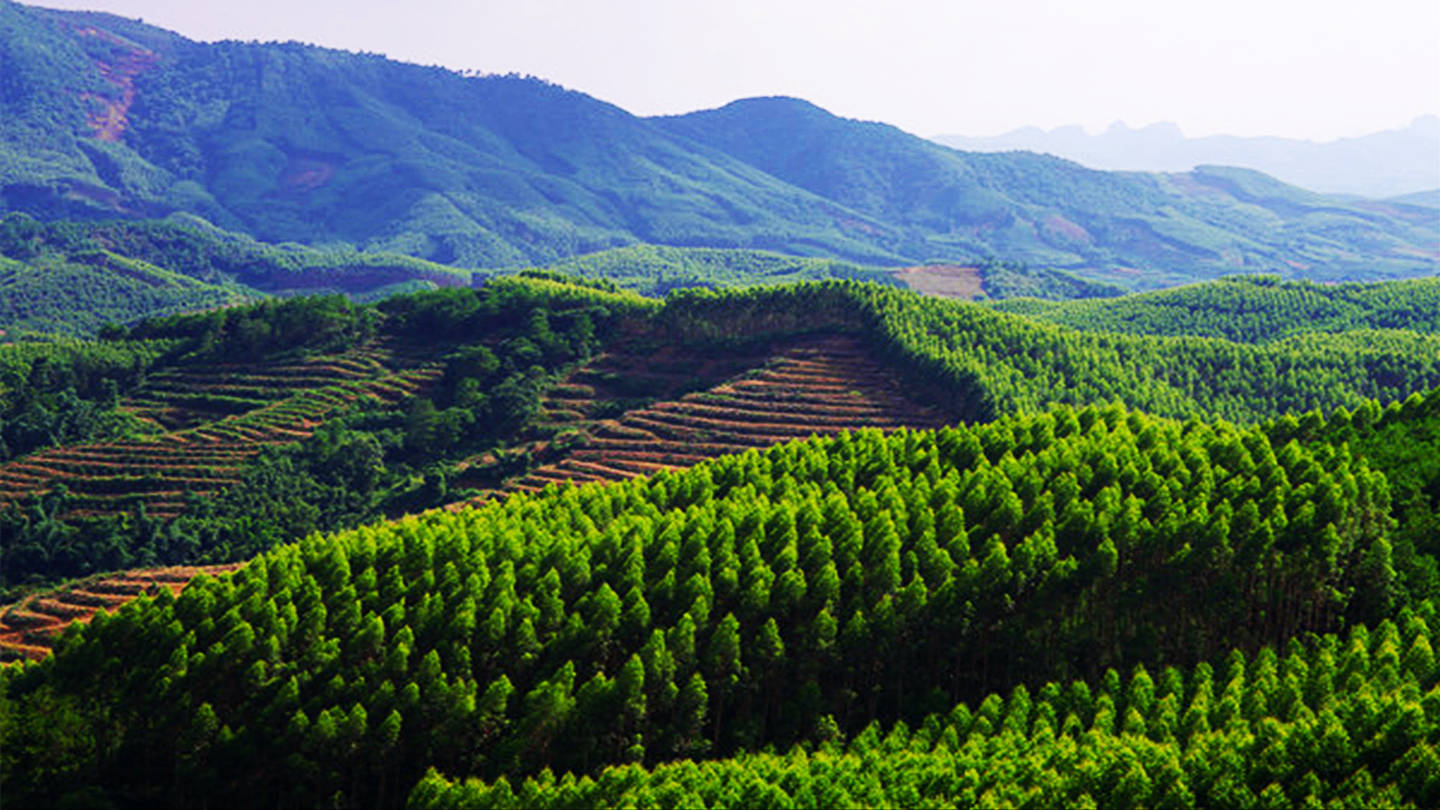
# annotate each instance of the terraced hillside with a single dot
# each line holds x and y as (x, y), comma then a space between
(28, 629)
(203, 449)
(818, 385)
(185, 397)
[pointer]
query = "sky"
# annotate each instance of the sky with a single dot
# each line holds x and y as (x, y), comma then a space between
(1315, 69)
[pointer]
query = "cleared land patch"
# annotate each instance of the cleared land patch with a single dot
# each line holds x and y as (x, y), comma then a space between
(28, 628)
(943, 280)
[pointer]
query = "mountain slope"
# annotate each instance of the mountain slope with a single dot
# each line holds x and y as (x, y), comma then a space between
(1045, 210)
(288, 142)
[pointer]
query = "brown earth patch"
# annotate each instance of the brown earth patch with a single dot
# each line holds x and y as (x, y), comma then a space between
(1059, 227)
(110, 120)
(304, 173)
(943, 280)
(28, 628)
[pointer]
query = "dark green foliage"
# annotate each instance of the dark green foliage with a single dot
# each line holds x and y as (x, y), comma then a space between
(54, 393)
(297, 326)
(824, 583)
(369, 463)
(1400, 439)
(1263, 731)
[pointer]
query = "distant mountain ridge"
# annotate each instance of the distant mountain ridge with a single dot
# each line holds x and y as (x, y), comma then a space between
(1384, 164)
(102, 117)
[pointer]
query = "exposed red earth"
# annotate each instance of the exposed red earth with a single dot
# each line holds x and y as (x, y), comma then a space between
(109, 118)
(28, 629)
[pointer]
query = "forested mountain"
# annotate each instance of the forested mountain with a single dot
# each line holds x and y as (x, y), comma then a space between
(1047, 211)
(285, 142)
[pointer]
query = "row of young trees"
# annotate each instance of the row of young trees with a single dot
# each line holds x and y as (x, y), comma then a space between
(1347, 721)
(1251, 309)
(761, 599)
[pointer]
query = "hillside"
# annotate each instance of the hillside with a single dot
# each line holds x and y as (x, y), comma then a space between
(104, 117)
(72, 278)
(1251, 309)
(830, 541)
(209, 438)
(920, 594)
(75, 278)
(1051, 212)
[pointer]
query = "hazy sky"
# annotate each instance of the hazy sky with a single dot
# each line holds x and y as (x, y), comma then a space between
(1316, 69)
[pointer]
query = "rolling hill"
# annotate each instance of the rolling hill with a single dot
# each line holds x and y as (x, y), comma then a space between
(911, 617)
(289, 143)
(73, 278)
(208, 438)
(829, 541)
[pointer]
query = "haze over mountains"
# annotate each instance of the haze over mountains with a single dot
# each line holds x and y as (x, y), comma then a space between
(105, 117)
(1379, 165)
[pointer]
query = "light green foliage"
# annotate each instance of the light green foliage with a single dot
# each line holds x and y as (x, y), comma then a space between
(988, 603)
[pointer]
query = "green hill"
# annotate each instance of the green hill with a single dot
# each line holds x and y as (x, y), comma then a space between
(1251, 309)
(836, 619)
(101, 116)
(796, 596)
(72, 278)
(210, 437)
(656, 269)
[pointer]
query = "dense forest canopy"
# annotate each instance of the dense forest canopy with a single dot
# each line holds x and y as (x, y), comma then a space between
(495, 352)
(817, 592)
